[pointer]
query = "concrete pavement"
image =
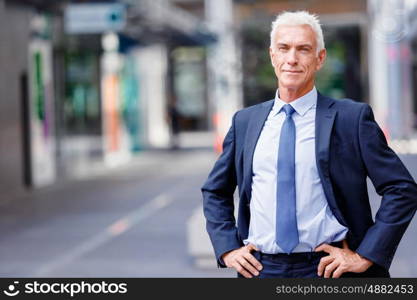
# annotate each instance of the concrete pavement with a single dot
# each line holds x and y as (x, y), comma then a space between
(131, 221)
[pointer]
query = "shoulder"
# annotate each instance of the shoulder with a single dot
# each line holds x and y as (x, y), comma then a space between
(246, 113)
(347, 107)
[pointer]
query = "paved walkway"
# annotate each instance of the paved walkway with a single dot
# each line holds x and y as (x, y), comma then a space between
(130, 221)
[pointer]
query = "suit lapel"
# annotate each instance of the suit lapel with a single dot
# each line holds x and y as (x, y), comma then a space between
(325, 117)
(256, 123)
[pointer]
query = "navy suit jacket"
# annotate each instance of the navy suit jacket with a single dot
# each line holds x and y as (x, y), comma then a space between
(350, 147)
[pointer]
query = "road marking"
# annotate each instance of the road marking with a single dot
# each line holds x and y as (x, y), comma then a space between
(115, 229)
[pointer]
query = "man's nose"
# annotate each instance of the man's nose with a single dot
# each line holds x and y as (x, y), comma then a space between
(292, 57)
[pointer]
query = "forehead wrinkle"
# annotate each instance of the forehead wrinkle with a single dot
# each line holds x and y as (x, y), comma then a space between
(290, 40)
(295, 35)
(295, 44)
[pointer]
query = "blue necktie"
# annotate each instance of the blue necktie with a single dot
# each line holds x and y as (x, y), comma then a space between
(286, 220)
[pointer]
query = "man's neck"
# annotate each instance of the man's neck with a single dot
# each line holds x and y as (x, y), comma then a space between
(289, 94)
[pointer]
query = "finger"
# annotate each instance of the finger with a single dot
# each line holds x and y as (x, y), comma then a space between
(324, 247)
(345, 244)
(253, 261)
(251, 247)
(242, 270)
(323, 263)
(328, 270)
(244, 263)
(338, 272)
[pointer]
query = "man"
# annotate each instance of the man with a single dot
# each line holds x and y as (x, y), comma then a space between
(301, 162)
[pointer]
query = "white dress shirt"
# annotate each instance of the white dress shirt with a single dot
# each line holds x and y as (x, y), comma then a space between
(315, 221)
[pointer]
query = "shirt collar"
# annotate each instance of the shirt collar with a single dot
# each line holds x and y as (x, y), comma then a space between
(301, 105)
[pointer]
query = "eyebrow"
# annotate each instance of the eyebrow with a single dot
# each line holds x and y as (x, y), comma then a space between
(298, 46)
(305, 45)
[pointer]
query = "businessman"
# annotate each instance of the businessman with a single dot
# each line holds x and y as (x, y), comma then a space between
(300, 162)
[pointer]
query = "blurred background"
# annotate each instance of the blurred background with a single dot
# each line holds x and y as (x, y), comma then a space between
(112, 113)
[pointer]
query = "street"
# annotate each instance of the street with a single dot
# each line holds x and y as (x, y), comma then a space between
(127, 222)
(131, 223)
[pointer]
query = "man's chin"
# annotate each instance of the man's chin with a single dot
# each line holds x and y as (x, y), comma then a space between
(290, 85)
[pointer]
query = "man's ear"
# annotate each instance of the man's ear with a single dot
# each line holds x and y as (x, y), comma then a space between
(321, 58)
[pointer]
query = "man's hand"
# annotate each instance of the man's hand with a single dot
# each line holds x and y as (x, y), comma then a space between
(341, 260)
(243, 261)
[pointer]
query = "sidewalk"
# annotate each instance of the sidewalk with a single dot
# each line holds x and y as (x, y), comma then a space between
(153, 209)
(129, 222)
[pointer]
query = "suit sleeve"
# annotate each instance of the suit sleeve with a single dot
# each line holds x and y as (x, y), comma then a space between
(218, 200)
(393, 182)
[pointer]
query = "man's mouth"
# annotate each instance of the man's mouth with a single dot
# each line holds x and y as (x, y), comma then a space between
(292, 71)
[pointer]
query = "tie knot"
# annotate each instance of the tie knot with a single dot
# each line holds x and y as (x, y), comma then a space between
(289, 110)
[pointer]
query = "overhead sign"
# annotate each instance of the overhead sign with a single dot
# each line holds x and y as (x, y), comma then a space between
(94, 17)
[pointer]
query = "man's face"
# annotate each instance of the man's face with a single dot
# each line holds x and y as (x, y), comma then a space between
(294, 56)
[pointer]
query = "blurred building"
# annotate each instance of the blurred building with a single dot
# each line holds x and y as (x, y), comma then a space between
(392, 69)
(95, 82)
(87, 83)
(25, 89)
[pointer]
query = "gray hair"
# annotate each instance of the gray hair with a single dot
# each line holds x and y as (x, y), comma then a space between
(300, 17)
